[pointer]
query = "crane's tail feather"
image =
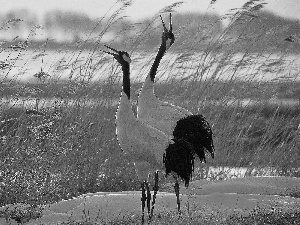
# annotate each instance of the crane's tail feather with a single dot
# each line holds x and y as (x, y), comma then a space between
(192, 135)
(179, 158)
(197, 131)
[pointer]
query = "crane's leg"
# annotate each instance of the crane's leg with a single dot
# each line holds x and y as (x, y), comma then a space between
(143, 199)
(155, 190)
(176, 187)
(148, 198)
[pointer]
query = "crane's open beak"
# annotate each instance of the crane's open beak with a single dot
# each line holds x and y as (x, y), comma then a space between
(165, 29)
(111, 53)
(163, 23)
(170, 22)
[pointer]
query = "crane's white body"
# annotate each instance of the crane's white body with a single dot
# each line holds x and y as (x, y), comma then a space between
(161, 115)
(144, 145)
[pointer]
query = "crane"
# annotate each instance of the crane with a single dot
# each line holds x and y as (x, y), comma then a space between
(145, 145)
(175, 121)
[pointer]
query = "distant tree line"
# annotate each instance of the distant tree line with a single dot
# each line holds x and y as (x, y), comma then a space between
(191, 29)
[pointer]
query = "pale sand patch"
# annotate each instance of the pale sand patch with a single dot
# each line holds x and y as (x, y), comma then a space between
(235, 195)
(245, 185)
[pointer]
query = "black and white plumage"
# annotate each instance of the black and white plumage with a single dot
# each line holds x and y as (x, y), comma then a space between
(162, 115)
(197, 131)
(174, 121)
(142, 143)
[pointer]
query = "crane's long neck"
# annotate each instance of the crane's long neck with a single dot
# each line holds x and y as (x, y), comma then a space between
(124, 113)
(126, 80)
(147, 97)
(160, 54)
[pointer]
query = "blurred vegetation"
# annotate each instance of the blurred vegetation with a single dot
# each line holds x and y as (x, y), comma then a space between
(189, 28)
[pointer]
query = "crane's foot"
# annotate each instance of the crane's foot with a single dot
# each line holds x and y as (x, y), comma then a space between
(143, 199)
(176, 187)
(155, 190)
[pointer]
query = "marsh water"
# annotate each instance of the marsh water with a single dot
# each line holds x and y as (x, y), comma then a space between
(33, 103)
(94, 65)
(227, 172)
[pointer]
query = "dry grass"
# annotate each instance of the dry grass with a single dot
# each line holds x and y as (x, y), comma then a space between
(258, 216)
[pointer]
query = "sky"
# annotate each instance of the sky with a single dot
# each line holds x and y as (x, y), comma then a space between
(145, 8)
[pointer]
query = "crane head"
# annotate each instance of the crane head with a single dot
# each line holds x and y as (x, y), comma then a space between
(168, 37)
(121, 56)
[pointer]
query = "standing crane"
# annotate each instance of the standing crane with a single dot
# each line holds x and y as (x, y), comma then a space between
(145, 145)
(173, 120)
